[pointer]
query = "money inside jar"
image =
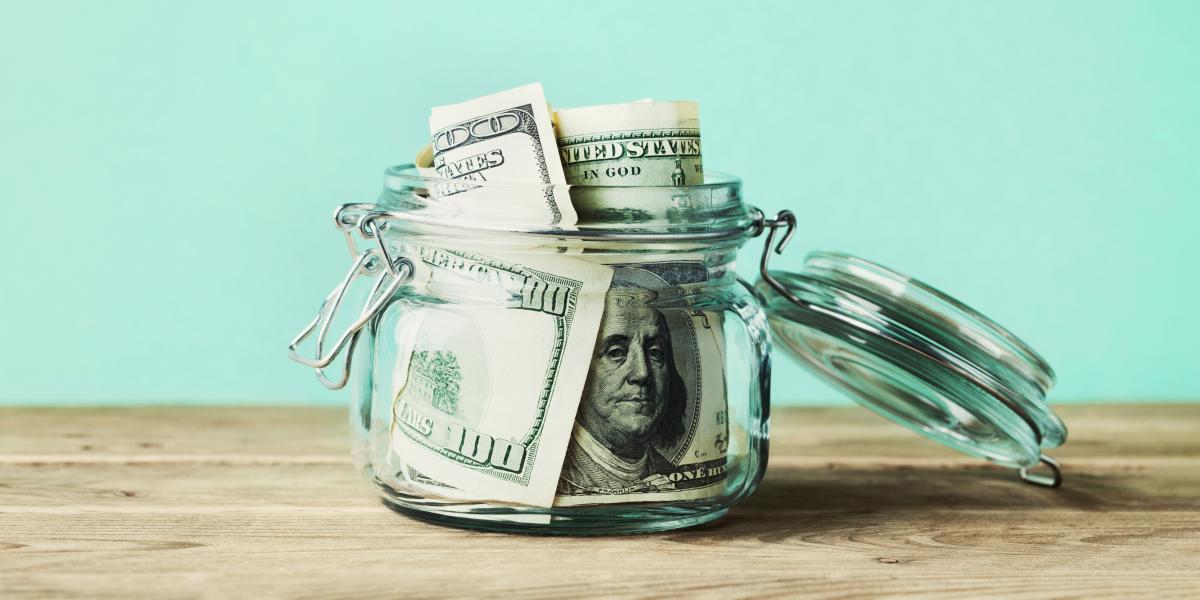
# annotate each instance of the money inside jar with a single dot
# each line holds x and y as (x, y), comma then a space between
(590, 379)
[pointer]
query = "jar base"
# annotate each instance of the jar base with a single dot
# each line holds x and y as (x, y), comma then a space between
(592, 522)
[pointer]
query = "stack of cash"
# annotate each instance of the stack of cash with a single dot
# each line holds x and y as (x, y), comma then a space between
(586, 380)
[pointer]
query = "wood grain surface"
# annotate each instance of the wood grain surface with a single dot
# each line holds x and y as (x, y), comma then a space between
(263, 502)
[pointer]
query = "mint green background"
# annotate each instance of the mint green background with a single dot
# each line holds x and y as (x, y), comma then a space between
(169, 169)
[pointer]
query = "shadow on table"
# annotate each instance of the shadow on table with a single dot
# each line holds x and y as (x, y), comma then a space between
(807, 501)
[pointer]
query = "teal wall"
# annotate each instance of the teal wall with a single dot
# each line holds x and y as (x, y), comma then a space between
(168, 169)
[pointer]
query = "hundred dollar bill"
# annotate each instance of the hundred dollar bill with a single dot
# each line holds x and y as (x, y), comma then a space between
(653, 421)
(507, 137)
(643, 143)
(486, 395)
(671, 443)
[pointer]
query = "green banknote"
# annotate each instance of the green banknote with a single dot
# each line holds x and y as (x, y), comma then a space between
(488, 382)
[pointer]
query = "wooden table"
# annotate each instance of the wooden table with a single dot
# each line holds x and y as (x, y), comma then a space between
(263, 502)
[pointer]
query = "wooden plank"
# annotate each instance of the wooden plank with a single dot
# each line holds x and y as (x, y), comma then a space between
(208, 434)
(319, 434)
(264, 502)
(218, 487)
(366, 551)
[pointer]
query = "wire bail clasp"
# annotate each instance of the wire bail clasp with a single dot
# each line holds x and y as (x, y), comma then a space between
(785, 220)
(376, 261)
(1053, 479)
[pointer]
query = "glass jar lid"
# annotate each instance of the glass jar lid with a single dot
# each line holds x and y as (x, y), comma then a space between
(916, 356)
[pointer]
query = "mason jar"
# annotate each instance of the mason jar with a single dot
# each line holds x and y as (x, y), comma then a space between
(514, 371)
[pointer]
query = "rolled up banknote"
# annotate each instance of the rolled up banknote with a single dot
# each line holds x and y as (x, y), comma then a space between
(653, 420)
(644, 143)
(503, 137)
(486, 387)
(486, 394)
(652, 423)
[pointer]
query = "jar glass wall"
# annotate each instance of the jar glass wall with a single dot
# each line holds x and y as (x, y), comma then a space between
(667, 379)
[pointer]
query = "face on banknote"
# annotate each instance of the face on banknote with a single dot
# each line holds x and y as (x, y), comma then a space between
(652, 421)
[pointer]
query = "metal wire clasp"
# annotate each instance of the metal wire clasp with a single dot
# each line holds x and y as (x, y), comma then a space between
(785, 220)
(1053, 480)
(376, 261)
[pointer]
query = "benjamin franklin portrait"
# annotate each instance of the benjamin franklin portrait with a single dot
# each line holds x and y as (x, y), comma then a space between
(634, 400)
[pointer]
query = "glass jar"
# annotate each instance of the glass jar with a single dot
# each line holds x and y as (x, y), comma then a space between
(612, 375)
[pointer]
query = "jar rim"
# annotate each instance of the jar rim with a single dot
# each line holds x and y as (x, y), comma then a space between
(413, 203)
(410, 173)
